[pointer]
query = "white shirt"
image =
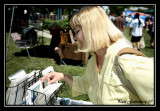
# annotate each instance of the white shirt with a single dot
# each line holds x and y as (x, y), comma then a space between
(126, 19)
(129, 19)
(137, 30)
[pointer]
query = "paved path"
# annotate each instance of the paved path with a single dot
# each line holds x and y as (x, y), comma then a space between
(45, 33)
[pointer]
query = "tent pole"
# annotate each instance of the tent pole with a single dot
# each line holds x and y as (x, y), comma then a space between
(10, 31)
(42, 29)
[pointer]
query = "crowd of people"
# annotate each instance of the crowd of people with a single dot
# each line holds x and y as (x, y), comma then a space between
(136, 31)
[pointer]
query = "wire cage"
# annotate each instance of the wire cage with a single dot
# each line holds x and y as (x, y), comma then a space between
(19, 92)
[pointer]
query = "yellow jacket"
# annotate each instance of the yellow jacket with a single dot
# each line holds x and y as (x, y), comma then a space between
(106, 88)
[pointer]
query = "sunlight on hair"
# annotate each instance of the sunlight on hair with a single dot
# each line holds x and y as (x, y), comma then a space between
(98, 29)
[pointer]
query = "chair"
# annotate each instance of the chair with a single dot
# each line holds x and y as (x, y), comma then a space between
(22, 43)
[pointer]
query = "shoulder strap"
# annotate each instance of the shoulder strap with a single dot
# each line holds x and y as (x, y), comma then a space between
(119, 70)
(129, 50)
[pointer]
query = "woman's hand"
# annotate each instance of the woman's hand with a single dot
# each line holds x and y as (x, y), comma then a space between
(52, 77)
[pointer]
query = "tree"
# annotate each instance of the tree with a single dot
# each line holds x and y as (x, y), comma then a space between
(117, 9)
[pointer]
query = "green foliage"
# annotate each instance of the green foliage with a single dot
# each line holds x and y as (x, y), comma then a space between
(65, 11)
(48, 23)
(117, 9)
(64, 23)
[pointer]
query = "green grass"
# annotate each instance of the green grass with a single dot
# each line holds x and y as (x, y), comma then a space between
(43, 60)
(21, 61)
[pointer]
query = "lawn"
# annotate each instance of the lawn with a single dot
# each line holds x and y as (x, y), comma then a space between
(43, 60)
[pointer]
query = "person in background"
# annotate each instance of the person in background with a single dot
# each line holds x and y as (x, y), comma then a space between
(129, 20)
(152, 35)
(150, 30)
(126, 20)
(136, 27)
(119, 22)
(96, 33)
(112, 17)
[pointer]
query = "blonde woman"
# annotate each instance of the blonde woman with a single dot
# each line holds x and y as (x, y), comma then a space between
(95, 32)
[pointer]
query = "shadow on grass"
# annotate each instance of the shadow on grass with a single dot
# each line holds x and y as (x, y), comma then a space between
(44, 51)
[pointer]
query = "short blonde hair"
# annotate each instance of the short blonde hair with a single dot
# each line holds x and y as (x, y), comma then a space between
(98, 29)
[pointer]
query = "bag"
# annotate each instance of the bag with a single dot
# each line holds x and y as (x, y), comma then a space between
(142, 43)
(123, 78)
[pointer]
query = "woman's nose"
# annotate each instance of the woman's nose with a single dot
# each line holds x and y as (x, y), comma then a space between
(75, 37)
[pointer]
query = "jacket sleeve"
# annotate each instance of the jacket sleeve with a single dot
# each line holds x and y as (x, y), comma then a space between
(140, 72)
